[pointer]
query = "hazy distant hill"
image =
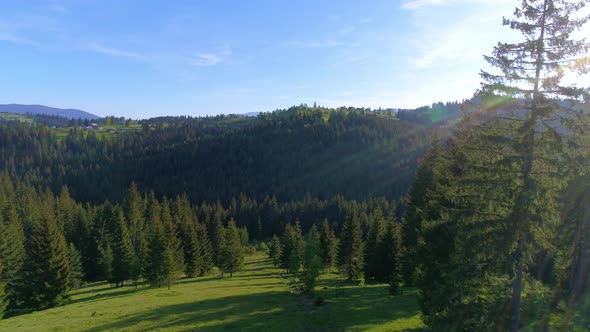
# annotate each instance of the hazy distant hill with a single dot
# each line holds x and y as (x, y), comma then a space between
(40, 109)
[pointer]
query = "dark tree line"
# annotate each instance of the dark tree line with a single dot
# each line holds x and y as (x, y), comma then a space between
(355, 153)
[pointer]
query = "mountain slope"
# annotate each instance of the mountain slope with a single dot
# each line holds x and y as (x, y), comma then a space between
(40, 109)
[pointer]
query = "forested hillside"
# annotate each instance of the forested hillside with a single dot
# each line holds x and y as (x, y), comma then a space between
(356, 153)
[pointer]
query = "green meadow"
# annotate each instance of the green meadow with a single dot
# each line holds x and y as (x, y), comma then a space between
(259, 298)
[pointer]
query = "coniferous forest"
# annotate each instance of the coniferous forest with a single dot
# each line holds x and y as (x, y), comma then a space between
(480, 207)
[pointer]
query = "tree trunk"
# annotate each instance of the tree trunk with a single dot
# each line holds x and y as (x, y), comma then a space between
(516, 291)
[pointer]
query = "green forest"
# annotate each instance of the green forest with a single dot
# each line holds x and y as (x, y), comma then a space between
(478, 210)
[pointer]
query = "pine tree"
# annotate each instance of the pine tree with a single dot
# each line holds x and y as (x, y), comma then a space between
(205, 250)
(292, 248)
(216, 236)
(351, 249)
(390, 253)
(274, 250)
(122, 253)
(12, 250)
(76, 270)
(244, 238)
(312, 262)
(47, 271)
(231, 252)
(134, 215)
(173, 241)
(157, 264)
(187, 232)
(373, 259)
(3, 295)
(521, 146)
(328, 246)
(413, 216)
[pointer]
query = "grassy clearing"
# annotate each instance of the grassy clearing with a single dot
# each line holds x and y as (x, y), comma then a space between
(256, 299)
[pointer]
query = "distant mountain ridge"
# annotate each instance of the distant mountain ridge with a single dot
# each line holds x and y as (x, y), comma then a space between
(40, 109)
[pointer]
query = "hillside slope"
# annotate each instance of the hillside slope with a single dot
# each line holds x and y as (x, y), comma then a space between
(40, 109)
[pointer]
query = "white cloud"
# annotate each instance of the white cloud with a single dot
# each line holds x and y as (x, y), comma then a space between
(15, 39)
(206, 59)
(99, 48)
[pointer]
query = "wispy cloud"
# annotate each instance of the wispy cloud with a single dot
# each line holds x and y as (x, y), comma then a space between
(312, 44)
(102, 49)
(206, 59)
(15, 39)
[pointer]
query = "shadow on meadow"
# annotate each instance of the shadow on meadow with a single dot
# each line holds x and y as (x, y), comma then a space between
(270, 310)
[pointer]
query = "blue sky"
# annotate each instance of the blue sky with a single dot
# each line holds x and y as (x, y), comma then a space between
(146, 58)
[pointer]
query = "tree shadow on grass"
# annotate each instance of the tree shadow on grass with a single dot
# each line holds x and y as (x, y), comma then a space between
(355, 308)
(270, 310)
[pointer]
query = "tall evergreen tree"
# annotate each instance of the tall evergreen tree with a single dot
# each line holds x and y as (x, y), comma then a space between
(172, 238)
(292, 248)
(390, 249)
(3, 295)
(134, 209)
(187, 232)
(46, 271)
(122, 253)
(231, 252)
(413, 216)
(351, 248)
(373, 256)
(12, 250)
(312, 262)
(274, 250)
(76, 270)
(328, 246)
(215, 229)
(205, 250)
(521, 146)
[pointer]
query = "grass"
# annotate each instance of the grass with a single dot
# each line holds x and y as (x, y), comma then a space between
(256, 299)
(14, 117)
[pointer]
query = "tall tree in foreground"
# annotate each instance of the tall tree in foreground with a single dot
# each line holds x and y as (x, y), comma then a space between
(122, 252)
(47, 271)
(374, 266)
(312, 262)
(328, 246)
(231, 252)
(274, 250)
(292, 248)
(351, 249)
(520, 147)
(3, 295)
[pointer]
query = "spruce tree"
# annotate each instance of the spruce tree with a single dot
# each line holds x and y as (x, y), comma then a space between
(122, 253)
(215, 229)
(231, 252)
(373, 259)
(3, 295)
(46, 270)
(187, 232)
(390, 253)
(205, 250)
(274, 250)
(292, 248)
(156, 270)
(413, 216)
(521, 146)
(76, 270)
(134, 209)
(12, 250)
(312, 262)
(173, 241)
(328, 246)
(351, 248)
